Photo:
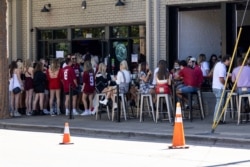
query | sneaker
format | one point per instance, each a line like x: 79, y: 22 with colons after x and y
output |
x: 16, y: 114
x: 46, y: 112
x: 93, y: 111
x: 67, y: 112
x: 85, y: 113
x: 74, y: 112
x: 28, y: 113
x: 52, y: 112
x: 105, y: 101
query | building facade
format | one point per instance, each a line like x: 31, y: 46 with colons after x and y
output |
x: 159, y: 29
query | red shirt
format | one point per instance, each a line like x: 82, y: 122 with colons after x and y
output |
x: 68, y: 76
x: 77, y: 70
x: 89, y: 82
x: 189, y: 76
x: 199, y: 76
x: 54, y: 79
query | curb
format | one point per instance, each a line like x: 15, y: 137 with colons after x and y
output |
x: 199, y: 139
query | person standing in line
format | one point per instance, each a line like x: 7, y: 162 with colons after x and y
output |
x: 69, y: 80
x: 39, y: 83
x: 15, y: 81
x: 76, y: 67
x: 53, y: 74
x: 28, y: 86
x: 88, y: 89
x: 219, y: 77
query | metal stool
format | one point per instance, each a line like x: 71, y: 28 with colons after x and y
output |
x: 200, y: 103
x: 239, y: 108
x: 100, y: 95
x: 231, y: 109
x: 123, y: 105
x: 168, y: 103
x: 150, y: 106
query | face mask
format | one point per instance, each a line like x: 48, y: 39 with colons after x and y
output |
x: 176, y: 67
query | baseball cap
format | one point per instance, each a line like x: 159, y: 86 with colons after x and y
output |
x: 193, y: 59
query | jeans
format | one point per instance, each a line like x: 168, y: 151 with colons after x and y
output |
x: 218, y: 95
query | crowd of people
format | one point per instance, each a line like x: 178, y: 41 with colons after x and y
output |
x: 44, y: 88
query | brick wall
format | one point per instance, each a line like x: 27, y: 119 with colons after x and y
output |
x: 98, y: 12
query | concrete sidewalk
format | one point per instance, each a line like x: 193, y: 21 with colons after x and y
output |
x: 197, y: 131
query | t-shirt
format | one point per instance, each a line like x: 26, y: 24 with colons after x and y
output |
x: 220, y: 71
x: 68, y: 76
x: 199, y: 76
x: 89, y: 82
x: 189, y: 76
x: 244, y: 77
x: 77, y: 71
x: 120, y: 78
x: 204, y: 68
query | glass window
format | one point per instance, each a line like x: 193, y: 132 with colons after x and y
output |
x: 45, y: 35
x: 119, y: 32
x: 134, y: 31
x: 79, y: 33
x: 60, y: 34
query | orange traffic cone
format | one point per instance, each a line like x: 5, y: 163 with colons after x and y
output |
x: 66, y: 135
x: 178, y: 135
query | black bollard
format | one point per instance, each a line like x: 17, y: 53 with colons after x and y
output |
x: 118, y: 105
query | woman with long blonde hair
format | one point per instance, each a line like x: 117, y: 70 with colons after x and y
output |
x: 53, y: 77
x: 28, y: 85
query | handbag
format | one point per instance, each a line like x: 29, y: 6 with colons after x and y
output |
x: 162, y: 89
x: 16, y: 90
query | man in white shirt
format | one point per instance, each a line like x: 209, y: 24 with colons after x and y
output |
x: 219, y: 76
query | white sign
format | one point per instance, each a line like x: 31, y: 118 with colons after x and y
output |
x: 89, y: 35
x: 134, y: 58
x: 59, y: 54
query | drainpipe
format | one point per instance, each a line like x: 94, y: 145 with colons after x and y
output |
x: 148, y: 35
x: 156, y: 32
x: 29, y: 29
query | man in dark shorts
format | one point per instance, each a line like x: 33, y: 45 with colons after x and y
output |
x: 69, y: 80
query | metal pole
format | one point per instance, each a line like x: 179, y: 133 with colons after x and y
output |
x: 118, y: 105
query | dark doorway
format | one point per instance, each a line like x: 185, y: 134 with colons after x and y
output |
x: 81, y: 46
x: 244, y: 41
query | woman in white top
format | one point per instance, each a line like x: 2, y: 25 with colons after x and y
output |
x: 122, y: 79
x: 15, y: 81
x: 204, y: 65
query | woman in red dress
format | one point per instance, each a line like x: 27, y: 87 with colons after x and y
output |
x: 88, y: 89
x: 53, y: 77
x: 28, y: 86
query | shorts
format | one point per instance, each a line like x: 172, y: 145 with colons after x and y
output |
x: 187, y: 89
x: 74, y: 92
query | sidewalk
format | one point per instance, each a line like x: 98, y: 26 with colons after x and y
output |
x: 197, y: 131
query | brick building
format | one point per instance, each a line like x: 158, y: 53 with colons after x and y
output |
x: 159, y: 29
